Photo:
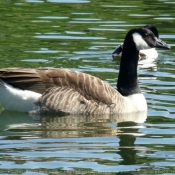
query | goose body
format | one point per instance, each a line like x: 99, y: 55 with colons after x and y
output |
x: 62, y: 90
x: 144, y: 54
x: 66, y: 91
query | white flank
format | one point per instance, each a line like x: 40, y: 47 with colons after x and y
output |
x: 16, y: 99
x: 139, y: 41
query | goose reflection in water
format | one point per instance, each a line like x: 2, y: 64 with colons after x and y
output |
x: 123, y: 126
x: 127, y: 130
x: 82, y: 126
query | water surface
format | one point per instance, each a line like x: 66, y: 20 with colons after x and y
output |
x: 81, y: 35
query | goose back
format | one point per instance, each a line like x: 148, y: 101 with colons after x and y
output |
x: 84, y: 90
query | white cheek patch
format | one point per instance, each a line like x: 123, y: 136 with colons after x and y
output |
x: 139, y: 42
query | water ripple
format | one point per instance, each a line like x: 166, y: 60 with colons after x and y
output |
x: 69, y: 37
x: 53, y: 17
x: 68, y: 1
x: 81, y: 35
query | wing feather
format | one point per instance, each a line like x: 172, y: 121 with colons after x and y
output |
x: 67, y: 100
x: 40, y: 80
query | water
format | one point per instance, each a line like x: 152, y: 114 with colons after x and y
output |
x: 81, y: 35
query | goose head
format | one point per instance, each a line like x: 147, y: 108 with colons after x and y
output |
x: 152, y: 52
x: 145, y: 39
x: 153, y: 29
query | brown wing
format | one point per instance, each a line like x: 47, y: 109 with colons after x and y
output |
x: 25, y: 79
x: 70, y: 101
x: 39, y: 80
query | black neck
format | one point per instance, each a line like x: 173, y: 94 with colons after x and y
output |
x: 127, y: 80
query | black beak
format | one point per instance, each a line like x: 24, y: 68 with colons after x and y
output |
x: 160, y: 44
x: 118, y: 51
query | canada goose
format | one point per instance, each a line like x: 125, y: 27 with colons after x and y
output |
x: 148, y: 54
x: 67, y: 91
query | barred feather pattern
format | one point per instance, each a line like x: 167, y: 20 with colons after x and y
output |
x: 69, y: 91
x: 77, y: 93
x: 67, y: 100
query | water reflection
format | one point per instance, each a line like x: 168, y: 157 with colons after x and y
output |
x: 72, y: 141
x: 127, y: 143
x: 70, y: 125
x: 83, y: 126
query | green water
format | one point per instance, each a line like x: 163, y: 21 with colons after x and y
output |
x: 81, y: 35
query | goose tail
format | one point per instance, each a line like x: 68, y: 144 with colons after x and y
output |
x: 2, y: 83
x: 15, y: 99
